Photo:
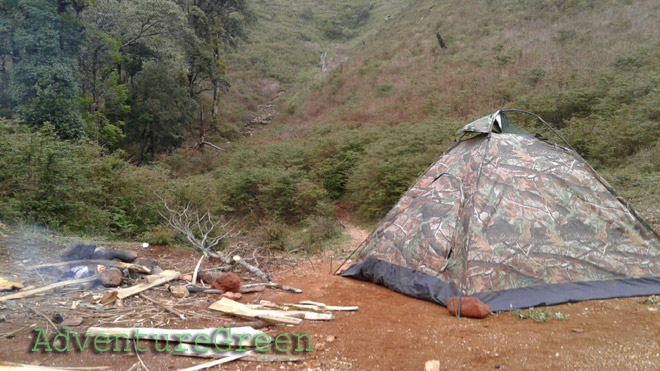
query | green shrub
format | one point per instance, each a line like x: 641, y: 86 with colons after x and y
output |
x: 161, y: 235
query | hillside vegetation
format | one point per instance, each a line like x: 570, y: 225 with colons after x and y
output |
x: 357, y: 135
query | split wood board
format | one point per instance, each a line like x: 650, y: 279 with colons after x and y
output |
x: 308, y: 315
x: 232, y: 307
x: 129, y: 291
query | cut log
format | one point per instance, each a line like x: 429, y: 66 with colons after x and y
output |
x: 205, y: 290
x: 232, y: 307
x: 190, y: 351
x: 27, y: 293
x: 109, y: 263
x: 247, y: 290
x: 168, y: 276
x: 210, y: 336
x: 109, y: 254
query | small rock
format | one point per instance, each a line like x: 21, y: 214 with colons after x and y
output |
x: 187, y: 277
x: 179, y: 291
x: 57, y: 318
x: 433, y: 365
x: 578, y: 330
x: 232, y: 295
x: 72, y: 321
x: 319, y: 346
x: 110, y: 277
x: 470, y: 307
x: 227, y: 282
x: 329, y: 339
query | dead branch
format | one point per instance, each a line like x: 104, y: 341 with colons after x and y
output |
x: 275, y: 286
x: 46, y: 318
x: 27, y: 293
x: 196, y: 271
x: 137, y: 353
x: 252, y: 269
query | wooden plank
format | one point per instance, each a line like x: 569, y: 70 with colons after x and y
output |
x: 183, y: 335
x: 191, y: 351
x: 306, y: 306
x: 306, y: 314
x: 8, y: 366
x: 27, y: 293
x: 129, y: 291
x: 326, y: 307
x: 232, y: 307
x: 237, y: 355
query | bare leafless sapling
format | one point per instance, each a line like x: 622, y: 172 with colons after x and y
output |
x: 202, y: 230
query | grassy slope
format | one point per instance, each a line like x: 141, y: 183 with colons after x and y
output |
x: 589, y: 67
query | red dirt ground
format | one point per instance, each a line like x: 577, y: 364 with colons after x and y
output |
x: 389, y: 332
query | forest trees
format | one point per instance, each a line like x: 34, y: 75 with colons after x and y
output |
x: 127, y: 73
x: 40, y: 42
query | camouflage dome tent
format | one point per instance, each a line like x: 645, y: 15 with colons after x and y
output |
x: 515, y: 222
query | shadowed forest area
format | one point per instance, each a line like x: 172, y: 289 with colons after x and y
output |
x: 283, y: 115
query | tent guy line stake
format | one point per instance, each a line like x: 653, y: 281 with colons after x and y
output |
x: 351, y: 254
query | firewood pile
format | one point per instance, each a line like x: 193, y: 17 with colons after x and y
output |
x: 103, y: 288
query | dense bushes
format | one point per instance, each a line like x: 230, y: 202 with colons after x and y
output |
x: 72, y: 186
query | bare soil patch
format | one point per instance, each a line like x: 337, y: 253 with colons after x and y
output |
x: 390, y: 331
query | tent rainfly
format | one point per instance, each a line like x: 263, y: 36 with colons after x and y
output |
x: 515, y: 222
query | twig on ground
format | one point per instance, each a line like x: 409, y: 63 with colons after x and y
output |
x: 10, y: 334
x: 166, y: 307
x: 46, y: 318
x: 276, y: 286
x: 137, y: 353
